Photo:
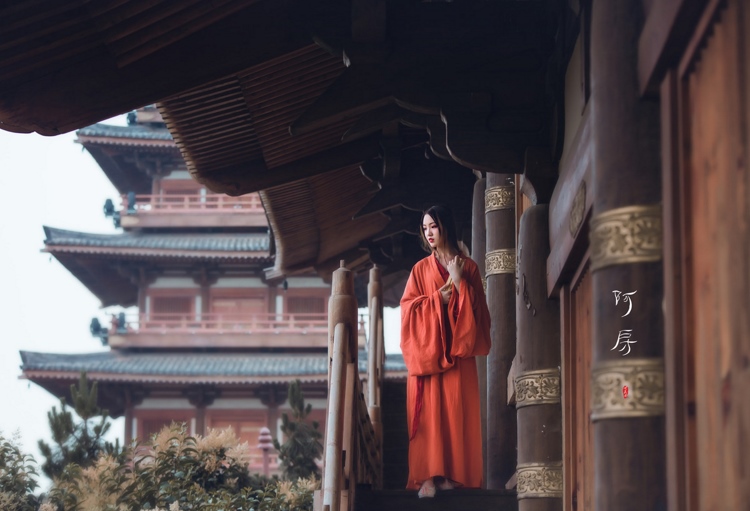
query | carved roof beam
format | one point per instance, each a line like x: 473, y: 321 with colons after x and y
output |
x: 402, y: 221
x: 255, y: 176
x: 422, y: 181
x: 378, y: 119
x: 358, y: 90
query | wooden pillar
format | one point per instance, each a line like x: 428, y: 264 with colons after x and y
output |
x: 200, y: 398
x: 478, y: 251
x: 500, y: 269
x: 270, y: 397
x: 142, y: 290
x: 128, y: 417
x: 538, y: 408
x: 627, y: 274
x: 205, y: 281
x: 374, y: 349
x: 200, y: 420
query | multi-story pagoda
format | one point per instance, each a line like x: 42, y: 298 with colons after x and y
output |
x: 203, y: 335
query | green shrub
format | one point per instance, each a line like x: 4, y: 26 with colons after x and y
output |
x: 302, y: 446
x: 176, y: 471
x: 17, y: 477
x: 80, y: 442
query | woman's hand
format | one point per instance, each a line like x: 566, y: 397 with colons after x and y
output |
x: 455, y: 269
x: 446, y: 291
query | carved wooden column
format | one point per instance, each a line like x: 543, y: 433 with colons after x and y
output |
x: 538, y: 406
x: 478, y: 250
x: 627, y: 276
x: 500, y: 268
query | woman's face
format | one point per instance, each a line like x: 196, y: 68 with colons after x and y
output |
x: 431, y: 232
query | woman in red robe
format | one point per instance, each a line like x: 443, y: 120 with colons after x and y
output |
x: 445, y: 323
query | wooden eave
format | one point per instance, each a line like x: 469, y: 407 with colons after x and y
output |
x: 37, y: 376
x: 234, y: 79
x: 87, y: 141
x: 110, y: 273
x: 153, y: 253
x: 68, y: 65
x: 121, y: 160
x: 102, y: 278
x: 311, y: 218
x: 234, y: 133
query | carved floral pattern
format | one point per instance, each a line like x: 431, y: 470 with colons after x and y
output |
x: 539, y: 480
x: 645, y: 381
x: 500, y: 261
x: 539, y: 387
x: 626, y: 235
x: 499, y: 197
x: 578, y: 209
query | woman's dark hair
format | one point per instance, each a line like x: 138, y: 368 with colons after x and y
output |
x: 443, y: 217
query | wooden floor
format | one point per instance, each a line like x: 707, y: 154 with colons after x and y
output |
x: 453, y: 500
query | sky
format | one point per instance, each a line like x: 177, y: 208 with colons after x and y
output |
x: 52, y: 181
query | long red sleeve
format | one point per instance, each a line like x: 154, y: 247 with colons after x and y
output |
x: 439, y: 344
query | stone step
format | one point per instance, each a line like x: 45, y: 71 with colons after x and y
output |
x: 453, y: 500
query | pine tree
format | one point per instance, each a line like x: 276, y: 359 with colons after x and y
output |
x: 302, y: 445
x: 78, y: 442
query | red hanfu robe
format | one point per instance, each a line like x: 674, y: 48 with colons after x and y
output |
x: 439, y: 344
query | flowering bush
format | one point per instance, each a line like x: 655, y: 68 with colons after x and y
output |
x: 17, y: 477
x: 178, y: 472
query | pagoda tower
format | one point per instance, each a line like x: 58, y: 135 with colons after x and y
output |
x: 200, y: 333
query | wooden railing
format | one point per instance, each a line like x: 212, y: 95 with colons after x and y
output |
x: 217, y: 323
x: 376, y: 353
x: 353, y: 442
x: 191, y: 203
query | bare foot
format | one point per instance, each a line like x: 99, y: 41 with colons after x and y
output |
x: 427, y: 490
x: 446, y: 484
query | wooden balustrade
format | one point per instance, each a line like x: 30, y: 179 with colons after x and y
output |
x: 222, y: 323
x: 353, y: 445
x: 376, y: 353
x: 192, y: 203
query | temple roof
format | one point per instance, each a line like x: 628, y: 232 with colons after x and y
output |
x: 228, y: 368
x: 132, y: 131
x: 107, y: 264
x: 223, y: 245
x: 131, y: 156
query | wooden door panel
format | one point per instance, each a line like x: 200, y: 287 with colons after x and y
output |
x: 714, y: 108
x: 576, y: 371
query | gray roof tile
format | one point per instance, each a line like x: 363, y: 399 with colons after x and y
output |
x: 138, y: 131
x: 193, y: 364
x: 245, y: 242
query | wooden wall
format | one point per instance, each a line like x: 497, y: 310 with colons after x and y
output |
x: 706, y: 142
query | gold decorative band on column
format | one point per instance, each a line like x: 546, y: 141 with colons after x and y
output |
x: 539, y: 480
x: 499, y: 197
x: 632, y: 234
x: 644, y: 396
x: 500, y: 261
x: 538, y: 387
